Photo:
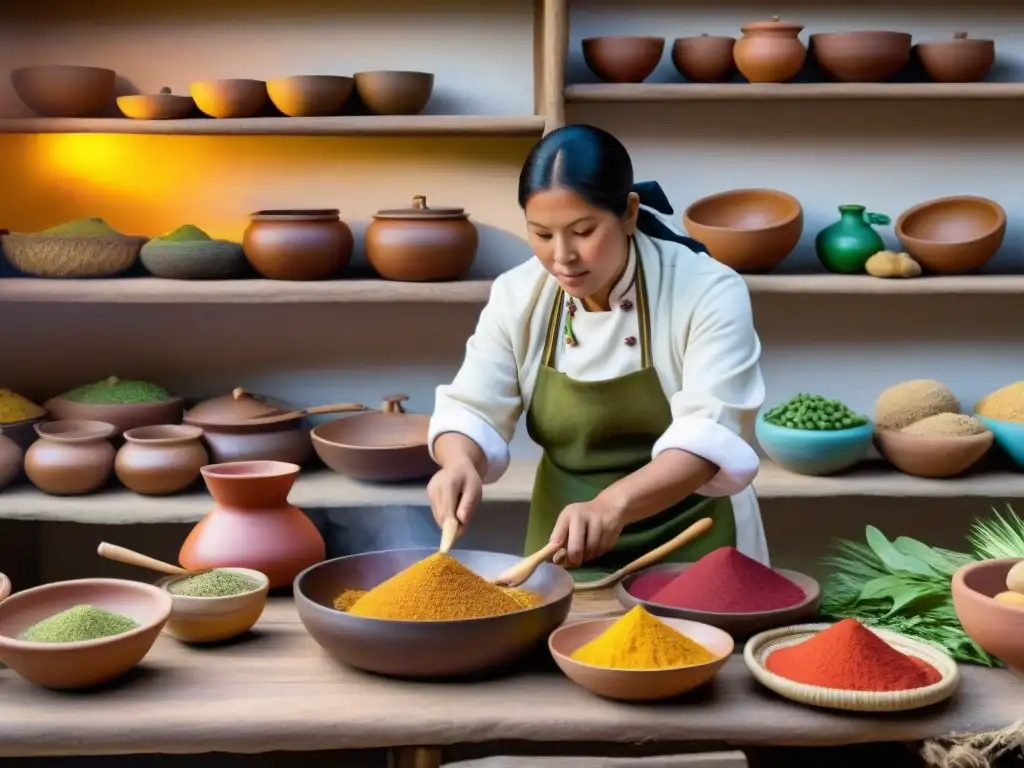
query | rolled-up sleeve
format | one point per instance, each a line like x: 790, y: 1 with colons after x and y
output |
x: 722, y: 388
x: 483, y: 402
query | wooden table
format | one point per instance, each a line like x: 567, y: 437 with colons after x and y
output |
x: 279, y: 691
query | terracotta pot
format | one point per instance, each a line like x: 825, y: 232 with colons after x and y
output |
x: 960, y: 60
x: 934, y: 457
x: 996, y: 627
x: 123, y: 417
x: 770, y: 51
x: 861, y: 57
x: 11, y: 460
x: 60, y: 90
x: 623, y: 59
x: 160, y: 460
x: 704, y: 59
x: 252, y: 525
x: 950, y: 235
x: 421, y: 244
x: 297, y: 245
x: 71, y: 458
x: 394, y: 92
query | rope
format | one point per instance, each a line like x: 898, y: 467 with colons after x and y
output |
x: 979, y: 750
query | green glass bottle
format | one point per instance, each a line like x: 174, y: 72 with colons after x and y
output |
x: 844, y: 247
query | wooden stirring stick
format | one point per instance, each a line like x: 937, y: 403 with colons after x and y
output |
x: 130, y: 557
x: 449, y: 533
x: 525, y: 568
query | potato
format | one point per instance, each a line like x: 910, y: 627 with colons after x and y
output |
x: 1015, y: 578
x: 1013, y: 599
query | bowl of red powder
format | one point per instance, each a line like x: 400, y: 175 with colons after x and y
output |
x: 996, y: 627
x: 725, y: 589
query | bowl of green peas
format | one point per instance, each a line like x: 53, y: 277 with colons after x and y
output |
x: 813, y: 435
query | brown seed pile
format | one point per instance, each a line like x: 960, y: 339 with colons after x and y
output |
x: 946, y: 425
x: 911, y: 401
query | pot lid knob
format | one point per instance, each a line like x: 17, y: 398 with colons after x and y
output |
x: 419, y: 202
x: 238, y: 393
x: 959, y: 35
x: 776, y: 19
x: 393, y: 403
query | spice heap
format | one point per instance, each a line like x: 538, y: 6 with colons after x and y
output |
x: 850, y: 657
x: 1006, y: 404
x: 946, y: 425
x: 186, y: 233
x: 115, y: 391
x: 92, y: 227
x: 640, y: 641
x: 814, y: 412
x: 215, y: 583
x: 723, y: 581
x: 909, y: 402
x: 524, y: 597
x: 15, y: 408
x: 82, y: 622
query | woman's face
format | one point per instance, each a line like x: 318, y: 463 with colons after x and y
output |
x: 583, y: 247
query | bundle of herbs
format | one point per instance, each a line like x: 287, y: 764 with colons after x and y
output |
x: 904, y: 585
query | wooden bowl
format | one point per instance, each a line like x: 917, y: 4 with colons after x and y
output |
x: 935, y: 457
x: 704, y: 59
x: 623, y: 59
x: 229, y: 98
x: 379, y: 447
x: 747, y: 229
x: 386, y: 92
x: 861, y: 57
x: 159, y: 106
x: 122, y: 416
x: 5, y: 587
x: 90, y: 662
x: 960, y: 60
x: 950, y: 235
x: 310, y: 95
x: 214, y: 619
x: 59, y: 256
x: 638, y: 684
x: 64, y: 91
x: 996, y: 627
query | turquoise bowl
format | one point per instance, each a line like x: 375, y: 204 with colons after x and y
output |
x: 809, y: 452
x: 1009, y: 436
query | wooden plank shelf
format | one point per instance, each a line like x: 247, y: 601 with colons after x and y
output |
x: 667, y: 92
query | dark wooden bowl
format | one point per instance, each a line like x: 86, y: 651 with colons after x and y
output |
x: 949, y: 235
x: 623, y: 59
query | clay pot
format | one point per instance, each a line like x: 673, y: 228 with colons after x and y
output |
x: 297, y: 245
x: 11, y: 459
x: 770, y: 51
x: 996, y: 627
x: 60, y: 90
x: 704, y: 59
x: 861, y: 57
x: 252, y: 525
x: 390, y: 92
x: 310, y: 95
x: 623, y: 59
x: 934, y: 457
x: 845, y: 246
x: 23, y: 433
x: 157, y: 106
x: 71, y: 458
x: 950, y: 235
x: 960, y: 60
x: 421, y: 244
x: 160, y: 460
x: 229, y: 98
x: 123, y: 417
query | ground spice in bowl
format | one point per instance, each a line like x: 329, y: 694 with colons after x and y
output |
x: 638, y: 640
x: 1006, y: 404
x: 14, y: 408
x: 946, y: 425
x: 215, y: 583
x: 115, y: 391
x: 186, y: 233
x: 91, y: 227
x: 81, y: 622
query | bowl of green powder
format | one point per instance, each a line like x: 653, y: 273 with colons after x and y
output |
x: 79, y: 248
x: 215, y: 605
x: 125, y: 403
x: 81, y: 633
x: 188, y: 253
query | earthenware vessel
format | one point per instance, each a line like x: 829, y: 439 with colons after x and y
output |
x: 623, y: 59
x: 198, y: 620
x: 932, y: 456
x: 229, y: 98
x: 157, y: 106
x: 162, y: 459
x: 960, y: 60
x: 704, y: 59
x: 11, y: 460
x: 193, y: 259
x: 60, y: 90
x: 845, y: 246
x: 872, y: 56
x: 310, y: 95
x: 950, y: 235
x: 770, y: 51
x: 996, y: 627
x: 123, y: 416
x: 298, y: 244
x: 387, y: 92
x: 71, y: 457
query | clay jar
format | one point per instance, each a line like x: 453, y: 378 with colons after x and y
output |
x: 704, y: 59
x: 421, y: 244
x: 11, y: 458
x: 770, y: 51
x: 252, y: 525
x: 960, y: 60
x: 71, y: 458
x: 160, y: 460
x: 297, y: 244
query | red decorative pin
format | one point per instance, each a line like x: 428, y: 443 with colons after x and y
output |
x: 630, y: 341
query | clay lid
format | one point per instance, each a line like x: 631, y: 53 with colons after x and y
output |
x: 237, y: 407
x: 419, y: 210
x: 774, y: 24
x: 298, y: 214
x: 961, y: 37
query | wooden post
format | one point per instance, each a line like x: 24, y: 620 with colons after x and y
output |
x: 555, y: 47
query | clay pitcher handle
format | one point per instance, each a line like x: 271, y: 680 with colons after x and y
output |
x: 130, y: 557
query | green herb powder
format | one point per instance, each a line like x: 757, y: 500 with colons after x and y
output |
x: 82, y: 228
x: 82, y: 622
x: 187, y: 233
x: 814, y: 412
x: 114, y: 391
x: 215, y: 583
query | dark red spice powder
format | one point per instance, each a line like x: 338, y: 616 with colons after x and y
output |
x: 723, y: 581
x: 850, y: 657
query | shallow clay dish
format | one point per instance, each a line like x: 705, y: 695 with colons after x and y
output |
x: 426, y: 649
x: 193, y: 260
x: 996, y: 627
x: 64, y: 91
x: 960, y: 60
x: 638, y: 684
x: 310, y: 95
x: 704, y: 59
x: 229, y: 98
x: 928, y: 456
x: 159, y: 106
x: 60, y: 256
x: 747, y: 229
x: 861, y: 57
x: 122, y: 416
x: 623, y: 59
x: 215, y: 619
x: 387, y: 92
x: 736, y: 624
x: 949, y: 235
x: 91, y: 662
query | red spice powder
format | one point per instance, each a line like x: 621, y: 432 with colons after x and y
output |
x: 850, y: 657
x: 723, y: 581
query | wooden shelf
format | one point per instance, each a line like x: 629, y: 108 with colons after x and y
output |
x: 864, y: 284
x: 630, y: 92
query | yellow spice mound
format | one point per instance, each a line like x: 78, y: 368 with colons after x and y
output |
x: 640, y: 641
x: 1006, y: 404
x: 903, y: 404
x: 524, y: 597
x: 15, y: 408
x: 946, y: 425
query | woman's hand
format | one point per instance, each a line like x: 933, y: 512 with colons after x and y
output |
x: 455, y: 491
x: 587, y: 530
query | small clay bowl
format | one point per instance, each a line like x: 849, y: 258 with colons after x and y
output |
x: 193, y: 259
x: 750, y: 230
x: 161, y: 459
x: 960, y: 60
x: 5, y: 587
x: 310, y: 95
x: 736, y: 624
x: 122, y: 416
x: 623, y: 59
x: 998, y: 628
x: 88, y: 663
x: 638, y: 684
x: 704, y: 59
x: 861, y: 57
x: 159, y: 106
x: 951, y: 235
x: 386, y: 92
x: 64, y: 91
x: 928, y: 456
x: 229, y: 98
x: 215, y: 619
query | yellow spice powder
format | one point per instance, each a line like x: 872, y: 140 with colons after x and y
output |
x: 1006, y: 404
x: 640, y: 641
x: 15, y: 408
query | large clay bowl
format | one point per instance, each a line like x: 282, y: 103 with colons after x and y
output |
x: 229, y: 98
x: 64, y: 91
x: 749, y: 230
x: 960, y: 60
x: 997, y: 628
x: 952, y: 234
x: 310, y: 95
x: 91, y: 662
x: 123, y: 417
x: 736, y: 624
x: 861, y: 57
x: 623, y: 59
x: 387, y: 92
x: 426, y: 649
x: 928, y: 456
x: 379, y: 447
x: 704, y: 59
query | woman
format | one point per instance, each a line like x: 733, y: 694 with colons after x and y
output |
x: 634, y: 357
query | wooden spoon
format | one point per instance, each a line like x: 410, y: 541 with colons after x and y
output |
x: 130, y: 557
x: 450, y: 531
x: 303, y: 412
x: 525, y: 568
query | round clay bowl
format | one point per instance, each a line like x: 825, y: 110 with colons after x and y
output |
x: 161, y: 106
x: 736, y: 624
x: 123, y: 417
x: 229, y: 98
x: 12, y: 457
x: 997, y: 628
x: 623, y: 59
x: 386, y: 92
x: 64, y: 91
x: 747, y: 229
x: 193, y: 260
x: 91, y: 662
x: 379, y: 447
x: 861, y: 57
x: 935, y: 457
x: 426, y: 649
x: 704, y: 59
x: 215, y: 619
x: 950, y: 235
x: 160, y: 460
x: 813, y: 452
x: 310, y: 95
x: 960, y: 60
x: 638, y: 684
x: 23, y: 433
x: 5, y: 587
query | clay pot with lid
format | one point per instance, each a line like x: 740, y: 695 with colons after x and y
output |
x: 704, y: 59
x: 161, y: 460
x: 960, y: 60
x: 770, y: 51
x: 71, y: 458
x: 11, y: 459
x: 420, y: 243
x: 310, y: 244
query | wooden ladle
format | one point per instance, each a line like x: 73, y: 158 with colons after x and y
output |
x: 450, y: 531
x: 525, y: 568
x: 130, y: 557
x: 315, y: 410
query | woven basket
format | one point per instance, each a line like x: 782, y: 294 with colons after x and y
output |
x: 760, y: 646
x: 60, y: 256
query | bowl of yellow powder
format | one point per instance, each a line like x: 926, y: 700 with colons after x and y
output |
x: 215, y: 605
x: 75, y: 249
x: 638, y: 656
x: 415, y: 613
x: 189, y: 253
x: 937, y: 446
x: 1002, y: 412
x: 18, y: 417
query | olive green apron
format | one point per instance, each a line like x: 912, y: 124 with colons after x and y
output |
x: 593, y: 434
